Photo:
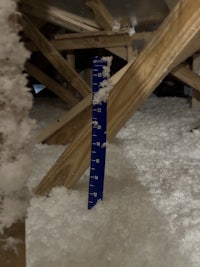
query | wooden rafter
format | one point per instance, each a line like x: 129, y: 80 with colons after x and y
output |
x: 65, y: 130
x: 102, y: 15
x: 62, y: 131
x: 187, y: 76
x: 58, y: 16
x: 141, y: 78
x: 136, y: 36
x: 70, y: 115
x: 67, y: 118
x: 196, y: 70
x: 51, y: 84
x: 171, y: 3
x: 96, y: 40
x: 64, y: 19
x: 54, y: 57
x: 106, y: 21
x: 154, y: 19
x: 39, y: 23
x: 58, y: 133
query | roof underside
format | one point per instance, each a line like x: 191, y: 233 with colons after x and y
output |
x: 144, y: 11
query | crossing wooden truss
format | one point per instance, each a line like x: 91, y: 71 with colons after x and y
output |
x: 165, y: 51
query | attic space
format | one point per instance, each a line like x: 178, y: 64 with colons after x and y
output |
x: 100, y: 133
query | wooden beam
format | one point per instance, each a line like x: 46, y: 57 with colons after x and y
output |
x: 82, y: 105
x: 62, y: 131
x: 70, y: 128
x: 58, y: 16
x: 106, y: 21
x: 59, y: 133
x: 102, y: 15
x: 51, y: 84
x: 56, y: 133
x: 88, y: 42
x: 136, y: 36
x: 97, y: 40
x: 187, y: 76
x: 141, y: 78
x: 64, y: 120
x: 153, y: 19
x: 195, y: 93
x: 63, y: 19
x: 54, y: 57
x: 13, y: 256
x: 171, y: 3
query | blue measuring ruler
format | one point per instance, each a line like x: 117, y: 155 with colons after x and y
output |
x: 99, y: 125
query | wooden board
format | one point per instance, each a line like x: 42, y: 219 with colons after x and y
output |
x: 171, y: 3
x: 65, y: 128
x: 65, y: 119
x: 55, y: 133
x: 64, y: 19
x: 102, y: 15
x: 54, y: 57
x: 93, y: 40
x: 51, y: 84
x: 58, y: 16
x: 196, y: 94
x: 13, y: 257
x: 142, y: 77
x: 136, y: 36
x: 90, y: 42
x: 187, y: 76
x: 68, y: 133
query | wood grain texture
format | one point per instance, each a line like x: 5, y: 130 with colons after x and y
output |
x: 58, y: 16
x: 196, y: 93
x: 141, y: 78
x: 102, y: 14
x: 54, y: 57
x: 93, y: 40
x: 88, y: 42
x: 10, y: 257
x: 187, y: 76
x: 171, y: 3
x: 64, y: 129
x: 64, y: 19
x: 65, y: 119
x: 136, y: 36
x: 68, y: 133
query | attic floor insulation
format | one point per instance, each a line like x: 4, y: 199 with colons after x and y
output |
x: 150, y: 215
